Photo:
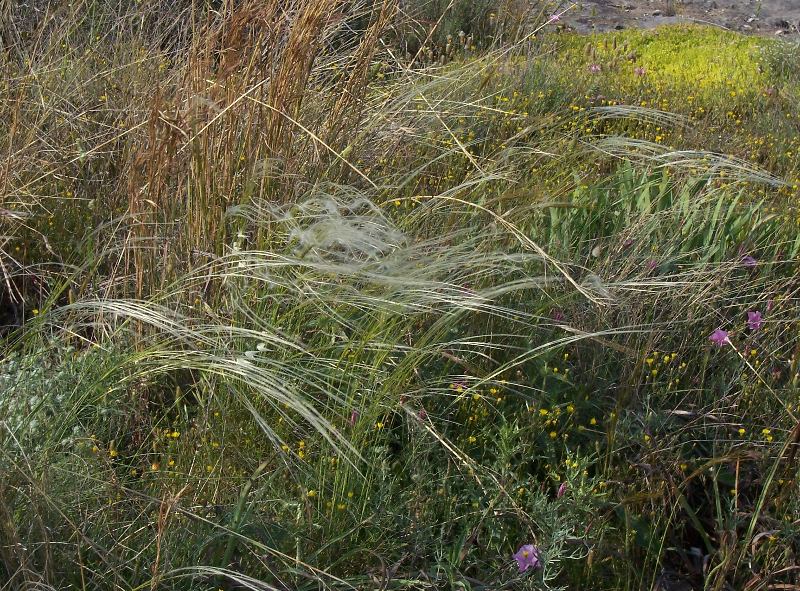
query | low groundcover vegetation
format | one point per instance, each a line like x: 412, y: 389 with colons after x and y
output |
x: 379, y: 295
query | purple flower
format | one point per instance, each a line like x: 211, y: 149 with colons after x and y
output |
x: 754, y: 320
x: 651, y: 265
x: 749, y: 261
x: 527, y: 557
x: 558, y: 315
x: 594, y: 68
x: 554, y: 18
x: 422, y: 414
x: 770, y: 304
x: 639, y: 71
x: 719, y: 337
x: 561, y: 490
x: 458, y: 386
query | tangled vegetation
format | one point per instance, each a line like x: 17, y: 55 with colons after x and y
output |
x: 334, y: 295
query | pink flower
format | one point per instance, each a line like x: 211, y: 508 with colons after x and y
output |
x: 554, y: 18
x: 754, y: 320
x: 527, y: 557
x: 594, y: 68
x: 458, y: 386
x: 749, y: 261
x: 639, y: 71
x: 354, y: 417
x: 719, y: 337
x: 422, y: 414
x: 561, y: 490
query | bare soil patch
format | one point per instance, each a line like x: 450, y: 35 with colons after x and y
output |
x: 766, y: 17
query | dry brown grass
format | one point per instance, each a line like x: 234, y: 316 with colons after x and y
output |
x: 165, y: 142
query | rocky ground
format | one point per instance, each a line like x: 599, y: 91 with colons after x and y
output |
x: 766, y: 17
